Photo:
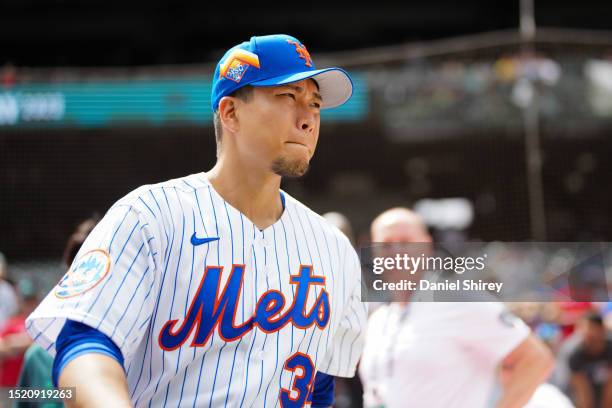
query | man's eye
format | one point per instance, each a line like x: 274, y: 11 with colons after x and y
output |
x: 292, y: 96
x: 316, y: 105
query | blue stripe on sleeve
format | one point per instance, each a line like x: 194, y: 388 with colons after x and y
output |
x: 323, y: 391
x: 76, y: 339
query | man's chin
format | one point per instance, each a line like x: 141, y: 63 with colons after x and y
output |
x: 290, y: 168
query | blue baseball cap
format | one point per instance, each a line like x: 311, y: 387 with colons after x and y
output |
x: 273, y: 60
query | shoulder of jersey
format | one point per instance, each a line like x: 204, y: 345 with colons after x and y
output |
x: 350, y: 255
x: 327, y: 227
x: 186, y: 184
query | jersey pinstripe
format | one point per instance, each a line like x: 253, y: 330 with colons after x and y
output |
x: 190, y: 340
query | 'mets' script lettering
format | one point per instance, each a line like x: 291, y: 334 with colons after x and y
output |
x: 209, y: 309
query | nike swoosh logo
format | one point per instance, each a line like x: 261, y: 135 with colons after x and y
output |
x: 195, y: 241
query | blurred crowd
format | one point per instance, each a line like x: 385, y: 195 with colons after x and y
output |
x: 580, y: 336
x: 17, y: 301
x: 23, y: 363
x: 471, y: 92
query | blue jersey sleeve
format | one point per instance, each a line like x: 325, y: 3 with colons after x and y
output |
x: 322, y: 395
x: 76, y: 339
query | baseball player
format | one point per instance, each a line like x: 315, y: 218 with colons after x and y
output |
x: 443, y: 354
x: 218, y: 289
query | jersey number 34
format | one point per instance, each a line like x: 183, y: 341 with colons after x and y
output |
x: 302, y: 369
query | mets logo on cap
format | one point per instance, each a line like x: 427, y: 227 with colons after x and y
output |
x: 237, y: 63
x: 302, y: 52
x: 86, y: 272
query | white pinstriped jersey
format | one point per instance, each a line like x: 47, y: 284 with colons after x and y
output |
x: 241, y: 321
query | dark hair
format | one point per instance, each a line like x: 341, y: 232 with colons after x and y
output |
x: 243, y: 94
x: 78, y: 237
x: 595, y: 318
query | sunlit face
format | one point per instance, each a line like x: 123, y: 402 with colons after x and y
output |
x: 279, y: 127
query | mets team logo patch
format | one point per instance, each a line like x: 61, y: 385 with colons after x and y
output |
x: 89, y: 270
x: 237, y: 63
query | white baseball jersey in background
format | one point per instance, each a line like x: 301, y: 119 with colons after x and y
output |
x: 427, y: 354
x: 242, y: 320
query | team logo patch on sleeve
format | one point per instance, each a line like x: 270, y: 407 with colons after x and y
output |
x: 89, y: 270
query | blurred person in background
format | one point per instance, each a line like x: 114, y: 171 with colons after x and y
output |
x: 591, y: 364
x: 38, y: 364
x: 425, y: 354
x: 549, y: 322
x: 77, y: 238
x: 341, y: 222
x: 8, y: 297
x: 571, y: 313
x: 14, y: 340
x: 349, y: 391
x: 606, y: 313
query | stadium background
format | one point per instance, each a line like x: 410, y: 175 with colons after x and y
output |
x: 451, y: 99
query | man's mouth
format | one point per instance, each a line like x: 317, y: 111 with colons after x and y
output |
x: 298, y: 143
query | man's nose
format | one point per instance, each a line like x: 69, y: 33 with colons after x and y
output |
x: 306, y: 121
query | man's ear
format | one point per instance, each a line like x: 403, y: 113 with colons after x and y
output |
x: 228, y: 113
